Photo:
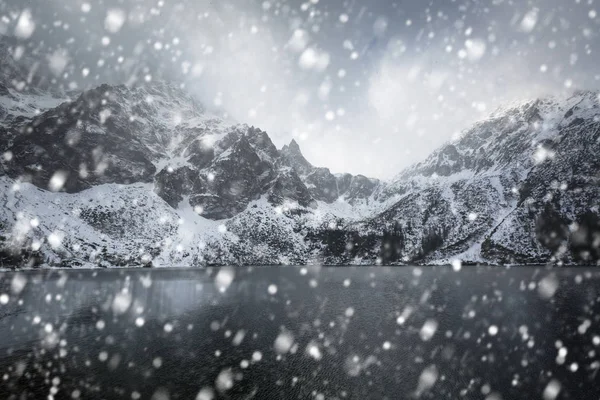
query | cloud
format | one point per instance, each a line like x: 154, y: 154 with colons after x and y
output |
x: 370, y: 95
x: 416, y: 105
x: 247, y: 72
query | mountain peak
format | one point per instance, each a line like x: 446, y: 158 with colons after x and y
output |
x: 294, y: 158
x: 484, y: 197
x: 292, y: 148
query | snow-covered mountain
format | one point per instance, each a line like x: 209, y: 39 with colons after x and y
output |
x: 520, y: 187
x: 146, y: 176
x: 215, y: 183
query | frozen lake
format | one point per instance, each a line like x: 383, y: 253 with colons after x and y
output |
x: 301, y: 332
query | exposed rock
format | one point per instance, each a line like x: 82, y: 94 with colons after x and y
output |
x: 153, y: 178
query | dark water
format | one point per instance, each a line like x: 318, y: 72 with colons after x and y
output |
x: 293, y: 333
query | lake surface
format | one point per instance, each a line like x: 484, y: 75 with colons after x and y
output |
x: 301, y: 333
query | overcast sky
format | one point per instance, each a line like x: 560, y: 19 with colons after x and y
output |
x: 365, y: 86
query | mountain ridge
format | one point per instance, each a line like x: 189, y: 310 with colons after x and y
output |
x: 519, y: 187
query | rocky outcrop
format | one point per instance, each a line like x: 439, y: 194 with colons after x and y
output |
x: 515, y: 188
x: 146, y: 176
x: 322, y: 184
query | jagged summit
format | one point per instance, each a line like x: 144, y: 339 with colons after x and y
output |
x: 491, y: 193
x: 293, y: 146
x: 324, y: 185
x: 155, y: 178
x: 160, y: 134
x: 293, y: 157
x: 512, y: 135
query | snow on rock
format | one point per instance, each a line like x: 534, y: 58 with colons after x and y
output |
x: 146, y: 176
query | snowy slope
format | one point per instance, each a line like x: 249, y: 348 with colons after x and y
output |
x: 145, y: 176
x: 497, y: 185
x: 83, y: 167
x: 129, y: 225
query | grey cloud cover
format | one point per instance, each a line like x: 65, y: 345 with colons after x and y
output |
x: 365, y: 86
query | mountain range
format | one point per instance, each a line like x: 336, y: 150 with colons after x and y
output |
x: 146, y: 176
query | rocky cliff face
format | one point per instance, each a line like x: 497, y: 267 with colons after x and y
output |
x: 322, y: 184
x: 145, y: 176
x: 520, y: 187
